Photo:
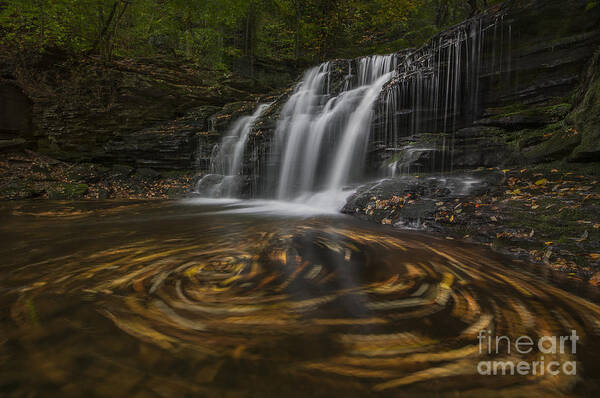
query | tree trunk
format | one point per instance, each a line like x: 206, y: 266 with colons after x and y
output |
x: 105, y: 28
x: 111, y: 38
x: 441, y: 13
x: 298, y: 27
x: 474, y: 8
x: 250, y: 37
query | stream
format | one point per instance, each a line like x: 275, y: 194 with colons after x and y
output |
x: 226, y: 298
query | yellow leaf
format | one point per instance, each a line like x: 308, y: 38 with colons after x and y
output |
x: 239, y: 350
x: 548, y: 243
x: 452, y: 219
x: 505, y: 171
x: 595, y: 256
x: 543, y: 181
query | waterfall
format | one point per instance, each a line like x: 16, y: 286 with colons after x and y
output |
x: 437, y: 90
x: 350, y: 120
x: 356, y: 136
x: 227, y: 159
x: 314, y: 118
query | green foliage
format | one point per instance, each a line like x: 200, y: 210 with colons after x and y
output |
x: 220, y: 33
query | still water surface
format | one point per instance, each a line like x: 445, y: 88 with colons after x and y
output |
x: 230, y: 299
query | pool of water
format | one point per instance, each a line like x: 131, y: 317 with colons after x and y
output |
x: 238, y: 299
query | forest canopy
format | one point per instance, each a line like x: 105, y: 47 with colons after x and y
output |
x: 224, y: 34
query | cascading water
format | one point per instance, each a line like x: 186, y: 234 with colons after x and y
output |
x: 437, y: 90
x: 227, y: 159
x: 314, y: 116
x: 340, y: 113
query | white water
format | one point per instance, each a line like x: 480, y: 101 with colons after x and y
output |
x: 266, y: 207
x: 337, y: 112
x: 226, y: 163
x: 314, y: 119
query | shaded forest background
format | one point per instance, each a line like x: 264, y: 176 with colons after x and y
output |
x: 226, y: 34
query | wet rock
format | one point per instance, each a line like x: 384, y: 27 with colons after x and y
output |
x: 148, y: 173
x: 586, y: 116
x: 122, y: 170
x: 526, y: 117
x: 102, y: 194
x: 68, y: 192
x: 412, y: 200
x: 13, y: 144
x: 560, y: 144
x: 18, y: 190
x: 87, y: 173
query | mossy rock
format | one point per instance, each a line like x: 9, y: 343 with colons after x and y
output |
x: 518, y: 116
x: 122, y: 170
x: 558, y: 142
x: 68, y: 191
x: 148, y: 173
x: 20, y: 190
x: 586, y: 116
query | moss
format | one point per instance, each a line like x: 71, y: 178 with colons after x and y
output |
x: 68, y: 191
x: 586, y: 117
x: 557, y: 111
x: 558, y: 142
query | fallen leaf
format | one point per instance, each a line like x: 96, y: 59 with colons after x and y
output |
x: 583, y: 237
x: 543, y: 181
x: 595, y: 279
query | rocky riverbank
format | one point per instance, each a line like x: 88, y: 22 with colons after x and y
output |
x: 30, y: 175
x: 545, y: 214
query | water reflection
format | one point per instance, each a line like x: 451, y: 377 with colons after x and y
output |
x: 168, y: 299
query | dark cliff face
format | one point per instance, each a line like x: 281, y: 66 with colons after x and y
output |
x: 586, y: 114
x: 532, y: 58
x: 15, y: 116
x: 149, y: 113
x: 548, y: 46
